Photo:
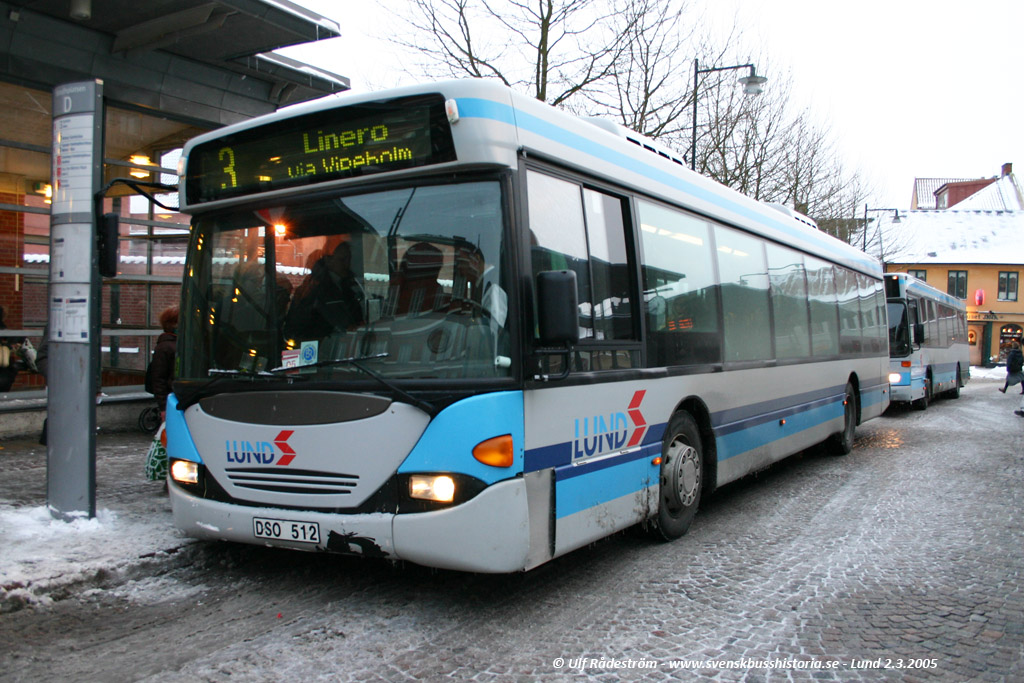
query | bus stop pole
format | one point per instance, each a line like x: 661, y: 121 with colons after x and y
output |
x: 73, y: 301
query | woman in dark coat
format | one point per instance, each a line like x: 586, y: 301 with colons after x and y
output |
x: 1014, y: 367
x: 161, y: 368
x: 8, y: 358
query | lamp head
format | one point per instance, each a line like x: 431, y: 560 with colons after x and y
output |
x: 753, y: 84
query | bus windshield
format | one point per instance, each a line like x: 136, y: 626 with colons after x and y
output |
x: 899, y: 330
x: 408, y: 280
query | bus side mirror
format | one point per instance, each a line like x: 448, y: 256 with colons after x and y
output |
x: 558, y: 308
x: 106, y: 244
x: 919, y: 333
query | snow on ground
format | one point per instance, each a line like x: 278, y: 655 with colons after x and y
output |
x: 42, y: 554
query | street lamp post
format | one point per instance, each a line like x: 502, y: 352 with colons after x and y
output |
x: 752, y: 85
x: 895, y: 219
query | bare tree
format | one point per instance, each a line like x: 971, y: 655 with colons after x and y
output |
x: 631, y: 60
x: 553, y: 49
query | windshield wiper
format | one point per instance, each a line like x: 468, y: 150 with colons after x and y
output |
x: 357, y: 362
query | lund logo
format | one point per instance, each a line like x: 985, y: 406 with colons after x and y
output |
x: 603, y: 434
x: 262, y: 452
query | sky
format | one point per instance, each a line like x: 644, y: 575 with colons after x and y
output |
x: 909, y: 88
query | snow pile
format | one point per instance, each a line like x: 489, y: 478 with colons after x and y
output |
x: 43, y: 556
x: 998, y: 373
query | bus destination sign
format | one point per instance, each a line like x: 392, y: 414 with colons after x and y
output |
x: 337, y: 143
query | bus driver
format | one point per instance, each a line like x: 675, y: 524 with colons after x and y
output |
x: 329, y: 300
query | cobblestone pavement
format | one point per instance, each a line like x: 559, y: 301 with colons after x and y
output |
x: 906, y: 553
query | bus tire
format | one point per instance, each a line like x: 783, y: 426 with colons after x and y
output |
x: 955, y: 391
x: 841, y: 443
x: 681, y: 478
x: 922, y: 403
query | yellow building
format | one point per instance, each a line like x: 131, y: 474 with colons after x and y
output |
x: 974, y: 251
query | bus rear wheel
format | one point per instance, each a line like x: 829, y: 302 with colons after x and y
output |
x: 681, y: 477
x: 841, y: 443
x: 957, y: 383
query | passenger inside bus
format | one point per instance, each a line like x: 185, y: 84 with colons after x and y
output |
x: 329, y: 299
x: 415, y: 284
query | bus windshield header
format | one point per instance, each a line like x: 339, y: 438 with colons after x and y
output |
x: 346, y: 142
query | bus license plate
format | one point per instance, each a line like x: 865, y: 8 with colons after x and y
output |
x: 286, y: 530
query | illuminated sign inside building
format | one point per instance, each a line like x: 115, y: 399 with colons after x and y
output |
x: 338, y: 143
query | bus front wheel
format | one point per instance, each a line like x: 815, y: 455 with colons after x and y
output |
x: 681, y: 477
x: 922, y: 403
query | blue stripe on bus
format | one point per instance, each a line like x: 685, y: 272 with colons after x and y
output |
x: 180, y: 443
x: 577, y: 494
x: 873, y: 395
x: 744, y: 417
x: 473, y: 107
x: 809, y: 416
x: 593, y: 465
x: 736, y: 430
x: 560, y: 454
x: 478, y: 108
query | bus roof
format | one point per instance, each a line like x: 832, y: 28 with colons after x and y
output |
x: 912, y: 285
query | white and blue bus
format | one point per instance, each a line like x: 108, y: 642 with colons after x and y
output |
x: 927, y: 341
x: 452, y: 325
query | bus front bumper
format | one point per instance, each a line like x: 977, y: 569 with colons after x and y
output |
x: 489, y: 533
x: 912, y: 391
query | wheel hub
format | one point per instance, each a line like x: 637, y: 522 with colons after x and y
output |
x: 683, y: 474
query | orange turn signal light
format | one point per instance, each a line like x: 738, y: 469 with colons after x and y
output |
x: 496, y: 452
x: 905, y: 364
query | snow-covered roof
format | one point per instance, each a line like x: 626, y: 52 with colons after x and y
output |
x: 956, y: 236
x: 924, y: 191
x: 1003, y: 195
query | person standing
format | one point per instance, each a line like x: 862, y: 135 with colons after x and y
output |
x: 1014, y: 368
x: 8, y: 358
x: 161, y: 367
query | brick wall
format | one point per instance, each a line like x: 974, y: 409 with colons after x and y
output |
x: 12, y: 237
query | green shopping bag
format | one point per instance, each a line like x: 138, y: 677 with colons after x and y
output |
x: 156, y: 457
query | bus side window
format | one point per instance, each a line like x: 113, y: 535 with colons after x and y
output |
x: 558, y: 236
x: 744, y: 277
x: 916, y: 325
x: 680, y: 287
x: 824, y: 308
x: 789, y: 302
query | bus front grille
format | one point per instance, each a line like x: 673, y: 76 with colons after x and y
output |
x: 280, y: 480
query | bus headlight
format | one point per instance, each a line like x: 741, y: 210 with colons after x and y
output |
x: 185, y: 471
x: 895, y: 378
x: 439, y: 488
